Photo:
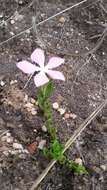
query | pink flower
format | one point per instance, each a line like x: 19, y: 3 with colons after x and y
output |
x: 38, y: 67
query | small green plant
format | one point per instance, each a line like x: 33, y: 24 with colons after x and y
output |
x: 55, y: 149
x: 41, y: 74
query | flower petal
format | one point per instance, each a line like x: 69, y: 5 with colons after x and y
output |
x: 56, y: 75
x: 40, y: 79
x: 27, y: 67
x: 38, y: 57
x: 54, y: 62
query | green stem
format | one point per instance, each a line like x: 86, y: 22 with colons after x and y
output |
x: 44, y: 104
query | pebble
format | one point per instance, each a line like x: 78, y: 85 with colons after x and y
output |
x: 2, y: 83
x: 73, y: 116
x: 9, y: 139
x: 32, y: 147
x: 29, y: 109
x: 103, y: 167
x: 12, y: 33
x: 17, y: 146
x: 78, y: 161
x: 35, y: 130
x: 13, y: 82
x: 55, y: 105
x: 62, y: 19
x: 41, y: 145
x: 26, y: 98
x: 1, y: 15
x: 61, y: 111
x: 13, y: 152
x: 32, y: 100
x: 44, y: 129
x: 28, y: 31
x: 76, y: 51
x: 12, y: 21
x: 8, y: 134
x: 28, y: 105
x: 66, y: 116
x: 33, y: 112
x: 20, y: 2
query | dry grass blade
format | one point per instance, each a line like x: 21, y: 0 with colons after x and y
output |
x: 3, y: 133
x: 70, y: 142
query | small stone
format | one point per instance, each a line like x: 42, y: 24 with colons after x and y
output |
x: 44, y: 129
x: 8, y: 134
x: 103, y: 167
x: 76, y: 51
x: 9, y: 139
x: 26, y: 98
x: 1, y: 15
x: 12, y: 21
x: 28, y: 109
x: 55, y: 105
x: 32, y: 100
x: 32, y: 147
x: 20, y: 2
x: 13, y: 82
x: 17, y: 146
x: 22, y: 156
x: 78, y: 161
x: 61, y: 111
x: 28, y: 105
x: 28, y: 31
x: 73, y: 116
x: 12, y: 33
x: 35, y: 130
x: 14, y: 152
x: 33, y: 112
x: 41, y: 145
x: 62, y: 19
x: 10, y: 103
x: 2, y: 83
x: 67, y: 116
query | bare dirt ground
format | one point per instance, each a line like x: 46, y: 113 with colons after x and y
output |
x: 70, y: 35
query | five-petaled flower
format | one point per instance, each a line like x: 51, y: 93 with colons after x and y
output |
x: 38, y: 66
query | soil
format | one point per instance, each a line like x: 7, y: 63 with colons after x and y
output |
x: 70, y: 35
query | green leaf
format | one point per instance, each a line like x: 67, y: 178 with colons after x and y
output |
x: 47, y: 89
x: 55, y: 151
x: 76, y: 168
